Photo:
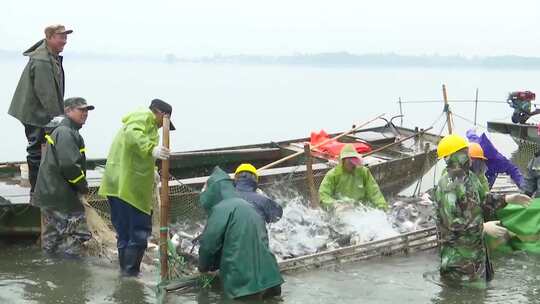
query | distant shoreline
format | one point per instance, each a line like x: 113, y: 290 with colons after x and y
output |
x: 335, y: 59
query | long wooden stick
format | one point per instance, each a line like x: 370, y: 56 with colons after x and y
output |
x: 270, y: 165
x: 310, y: 180
x: 447, y: 110
x: 397, y: 142
x: 164, y: 208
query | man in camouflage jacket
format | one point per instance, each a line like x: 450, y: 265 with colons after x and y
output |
x: 465, y: 211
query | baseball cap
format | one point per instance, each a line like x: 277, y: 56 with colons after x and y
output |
x: 56, y: 29
x: 164, y: 107
x: 77, y: 102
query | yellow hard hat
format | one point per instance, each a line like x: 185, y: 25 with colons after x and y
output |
x: 450, y: 144
x: 246, y: 168
x: 476, y: 151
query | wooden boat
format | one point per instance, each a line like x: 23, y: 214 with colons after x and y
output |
x: 520, y: 132
x: 395, y: 168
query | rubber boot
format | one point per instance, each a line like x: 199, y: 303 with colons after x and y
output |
x: 132, y: 261
x: 121, y: 259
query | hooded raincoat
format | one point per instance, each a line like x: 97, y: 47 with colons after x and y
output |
x: 235, y: 241
x: 40, y: 92
x: 129, y: 172
x: 62, y: 174
x: 359, y: 185
x: 496, y: 162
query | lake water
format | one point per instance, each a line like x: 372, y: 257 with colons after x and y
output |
x: 226, y: 105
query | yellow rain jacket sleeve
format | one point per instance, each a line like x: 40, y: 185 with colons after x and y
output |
x: 359, y: 186
x: 129, y: 172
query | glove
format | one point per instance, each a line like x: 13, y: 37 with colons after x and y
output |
x: 518, y: 199
x: 82, y: 187
x: 493, y: 229
x: 160, y: 152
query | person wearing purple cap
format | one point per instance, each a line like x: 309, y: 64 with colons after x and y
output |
x: 496, y: 162
x: 350, y: 181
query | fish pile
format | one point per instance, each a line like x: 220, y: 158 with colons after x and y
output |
x: 303, y: 230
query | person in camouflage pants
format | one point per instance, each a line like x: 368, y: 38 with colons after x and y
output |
x: 463, y: 207
x: 64, y: 232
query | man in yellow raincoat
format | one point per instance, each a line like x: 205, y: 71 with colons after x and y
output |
x: 351, y: 181
x: 129, y: 178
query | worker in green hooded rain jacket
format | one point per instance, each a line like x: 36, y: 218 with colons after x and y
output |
x: 235, y: 242
x: 128, y: 181
x: 465, y: 211
x: 350, y: 180
x: 39, y: 96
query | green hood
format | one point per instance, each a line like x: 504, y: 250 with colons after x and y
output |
x: 218, y: 187
x: 348, y: 151
x: 38, y: 51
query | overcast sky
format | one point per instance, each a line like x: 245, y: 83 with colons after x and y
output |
x: 200, y: 28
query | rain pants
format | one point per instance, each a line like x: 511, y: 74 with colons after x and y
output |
x: 129, y: 172
x: 359, y: 186
x: 235, y: 241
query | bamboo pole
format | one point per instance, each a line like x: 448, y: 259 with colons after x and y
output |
x: 475, y: 106
x: 354, y: 129
x: 447, y: 110
x: 164, y: 208
x: 400, y: 113
x: 310, y: 180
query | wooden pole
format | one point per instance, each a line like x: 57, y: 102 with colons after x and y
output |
x: 447, y: 110
x: 164, y: 208
x: 354, y: 129
x: 475, y: 106
x: 310, y: 180
x: 400, y: 113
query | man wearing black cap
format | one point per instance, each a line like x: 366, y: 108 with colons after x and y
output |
x: 40, y: 93
x: 128, y: 181
x: 62, y: 181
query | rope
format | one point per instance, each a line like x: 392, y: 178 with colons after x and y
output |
x: 455, y: 101
x: 469, y: 121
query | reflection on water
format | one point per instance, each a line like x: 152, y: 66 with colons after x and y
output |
x: 26, y: 276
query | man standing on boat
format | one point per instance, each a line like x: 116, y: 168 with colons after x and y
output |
x: 465, y: 211
x: 40, y: 93
x: 246, y: 183
x: 62, y: 182
x: 128, y: 181
x: 351, y: 181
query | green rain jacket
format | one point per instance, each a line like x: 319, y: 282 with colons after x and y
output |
x: 235, y: 241
x: 359, y: 185
x: 462, y: 209
x: 40, y: 92
x: 62, y: 171
x: 129, y: 172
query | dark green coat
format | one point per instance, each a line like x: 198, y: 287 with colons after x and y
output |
x: 235, y: 241
x: 62, y: 173
x: 40, y: 93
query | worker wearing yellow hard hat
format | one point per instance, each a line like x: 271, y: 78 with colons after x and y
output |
x: 465, y: 211
x: 246, y: 183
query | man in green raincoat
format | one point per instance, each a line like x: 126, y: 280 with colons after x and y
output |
x: 235, y: 242
x: 350, y: 181
x: 128, y: 181
x: 39, y: 96
x: 62, y: 181
x: 465, y: 211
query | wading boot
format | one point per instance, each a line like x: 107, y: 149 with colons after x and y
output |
x: 121, y: 259
x: 132, y: 261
